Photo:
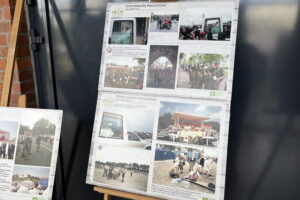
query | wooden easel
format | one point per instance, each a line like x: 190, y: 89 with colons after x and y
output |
x: 10, y: 62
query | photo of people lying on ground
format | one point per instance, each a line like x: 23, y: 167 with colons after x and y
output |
x: 203, y: 71
x: 205, y: 24
x: 127, y: 126
x: 164, y: 22
x: 8, y: 133
x: 185, y: 168
x: 189, y: 123
x: 162, y: 66
x: 125, y: 167
x: 125, y: 72
x: 35, y: 141
x: 30, y: 180
x: 129, y: 31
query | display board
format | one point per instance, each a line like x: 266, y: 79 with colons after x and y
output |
x: 162, y: 118
x: 29, y: 140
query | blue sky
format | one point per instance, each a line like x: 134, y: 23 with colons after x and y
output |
x: 135, y: 119
x: 194, y: 109
x: 10, y: 126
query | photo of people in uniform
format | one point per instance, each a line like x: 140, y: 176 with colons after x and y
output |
x: 206, y: 24
x: 203, y: 71
x: 164, y: 22
x: 125, y: 72
x: 122, y: 167
x: 185, y: 168
x: 35, y: 140
x: 30, y: 180
x: 189, y: 123
x: 162, y: 66
x: 8, y: 134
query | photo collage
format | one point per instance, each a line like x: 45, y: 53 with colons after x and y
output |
x: 153, y: 54
x: 162, y: 117
x: 26, y: 147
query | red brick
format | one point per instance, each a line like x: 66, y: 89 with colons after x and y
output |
x: 24, y: 62
x: 30, y: 97
x: 22, y: 51
x: 16, y: 87
x: 8, y: 13
x: 1, y: 15
x: 1, y: 76
x: 2, y: 63
x: 3, y: 51
x: 27, y: 86
x: 14, y: 98
x: 23, y: 40
x: 5, y: 27
x: 26, y: 75
x: 2, y: 40
x: 23, y: 27
x: 31, y: 105
x: 7, y: 3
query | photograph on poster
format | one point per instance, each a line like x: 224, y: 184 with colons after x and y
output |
x: 202, y: 71
x: 125, y: 167
x: 30, y: 180
x: 197, y: 124
x: 129, y: 127
x: 185, y: 168
x: 164, y: 22
x: 162, y: 66
x: 205, y: 24
x: 125, y: 72
x: 8, y: 134
x: 129, y: 31
x: 36, y: 138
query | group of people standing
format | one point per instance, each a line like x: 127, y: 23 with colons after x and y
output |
x: 113, y: 173
x: 26, y: 142
x: 209, y: 76
x: 7, y: 149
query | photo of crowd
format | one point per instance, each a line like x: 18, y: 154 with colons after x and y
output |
x: 203, y: 71
x: 189, y: 123
x: 206, y: 24
x: 8, y: 134
x: 125, y: 167
x: 164, y: 22
x: 35, y: 141
x: 162, y: 66
x: 185, y: 168
x: 125, y: 72
x: 30, y: 180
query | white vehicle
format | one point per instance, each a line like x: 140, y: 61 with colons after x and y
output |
x: 113, y: 130
x: 128, y: 30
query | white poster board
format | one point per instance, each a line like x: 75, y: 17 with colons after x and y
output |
x: 162, y: 118
x: 29, y: 140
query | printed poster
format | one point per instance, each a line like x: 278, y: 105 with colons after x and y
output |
x: 163, y: 108
x: 29, y: 140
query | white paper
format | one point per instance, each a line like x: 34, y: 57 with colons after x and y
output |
x: 162, y: 118
x: 29, y: 140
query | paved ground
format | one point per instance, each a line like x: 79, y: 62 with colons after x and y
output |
x: 41, y: 158
x: 153, y: 27
x: 161, y: 176
x: 137, y: 182
x: 183, y: 79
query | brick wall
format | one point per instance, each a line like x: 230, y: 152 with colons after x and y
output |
x: 23, y: 81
